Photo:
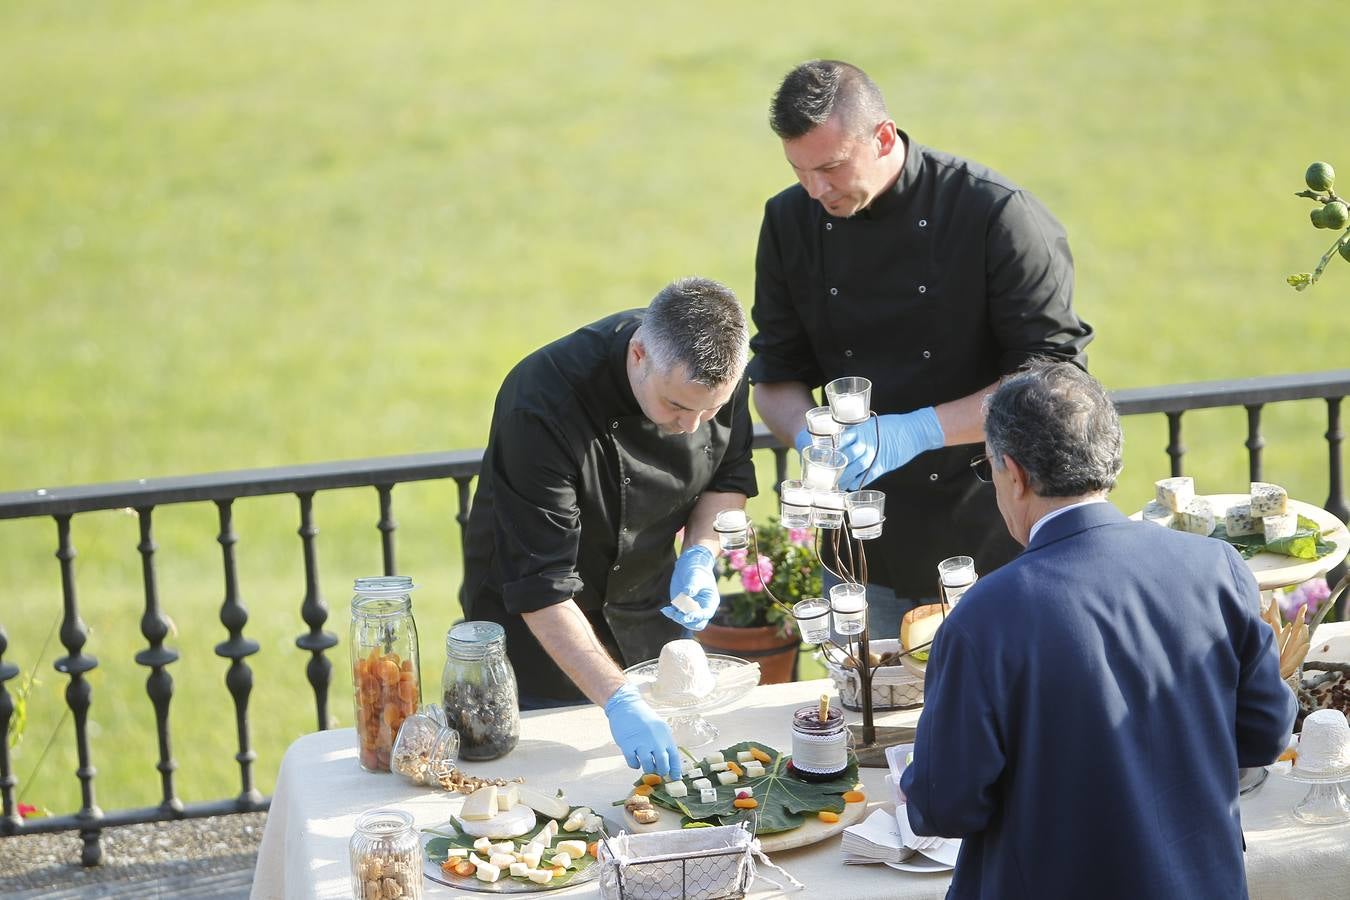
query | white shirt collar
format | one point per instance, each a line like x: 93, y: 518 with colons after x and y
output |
x: 1055, y: 512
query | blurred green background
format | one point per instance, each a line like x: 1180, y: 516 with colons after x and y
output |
x: 250, y: 234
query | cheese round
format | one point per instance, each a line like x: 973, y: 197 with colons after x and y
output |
x: 516, y: 821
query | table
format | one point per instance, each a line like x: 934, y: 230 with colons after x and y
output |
x: 321, y: 790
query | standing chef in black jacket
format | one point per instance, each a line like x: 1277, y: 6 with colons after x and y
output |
x: 929, y: 274
x: 604, y: 444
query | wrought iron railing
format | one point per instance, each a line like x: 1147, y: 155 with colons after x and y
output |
x: 224, y: 488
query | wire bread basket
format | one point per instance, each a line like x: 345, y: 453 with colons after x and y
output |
x: 893, y: 687
x: 715, y: 863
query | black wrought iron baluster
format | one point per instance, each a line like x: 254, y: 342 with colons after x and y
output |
x: 314, y: 611
x: 1175, y: 448
x: 11, y: 821
x: 159, y: 684
x: 462, y: 517
x: 79, y: 693
x: 387, y: 527
x: 1336, y: 494
x: 1254, y: 441
x: 239, y: 678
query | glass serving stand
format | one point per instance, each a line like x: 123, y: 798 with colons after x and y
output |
x: 734, y: 679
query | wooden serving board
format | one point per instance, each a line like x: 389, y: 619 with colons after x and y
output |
x: 1275, y: 571
x: 812, y: 831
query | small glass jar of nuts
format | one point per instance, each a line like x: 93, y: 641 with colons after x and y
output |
x: 427, y: 748
x: 386, y: 857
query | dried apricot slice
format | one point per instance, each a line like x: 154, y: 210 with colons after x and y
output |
x: 854, y: 796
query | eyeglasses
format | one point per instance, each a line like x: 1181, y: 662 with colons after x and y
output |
x: 982, y: 468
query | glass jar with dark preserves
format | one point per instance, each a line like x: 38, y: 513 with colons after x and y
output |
x: 480, y: 690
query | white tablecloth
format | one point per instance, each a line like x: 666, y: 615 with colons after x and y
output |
x: 321, y: 790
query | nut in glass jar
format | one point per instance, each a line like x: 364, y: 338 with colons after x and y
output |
x: 386, y: 856
x: 426, y: 749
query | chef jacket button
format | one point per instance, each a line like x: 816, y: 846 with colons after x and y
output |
x: 926, y: 354
x: 617, y: 567
x: 923, y: 289
x: 614, y: 424
x: 848, y: 353
x: 829, y: 226
x: 627, y: 480
x: 834, y: 292
x: 932, y: 476
x: 923, y: 223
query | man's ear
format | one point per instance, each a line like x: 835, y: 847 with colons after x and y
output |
x: 637, y: 351
x: 886, y: 137
x: 1017, y: 477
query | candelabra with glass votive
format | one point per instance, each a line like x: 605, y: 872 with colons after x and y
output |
x: 827, y: 509
x: 848, y: 602
x: 822, y: 427
x: 850, y: 399
x: 822, y: 467
x: 794, y: 504
x: 957, y: 575
x: 813, y: 619
x: 865, y: 514
x: 731, y: 526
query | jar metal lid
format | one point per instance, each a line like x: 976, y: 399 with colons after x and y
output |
x: 384, y: 585
x: 474, y: 638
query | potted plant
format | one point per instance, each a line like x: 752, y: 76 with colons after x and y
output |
x: 749, y: 624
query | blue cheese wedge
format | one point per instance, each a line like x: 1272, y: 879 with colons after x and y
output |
x: 1175, y: 493
x: 1158, y: 514
x: 708, y: 794
x: 1268, y: 500
x: 1197, y: 517
x: 1238, y: 520
x: 1276, y: 527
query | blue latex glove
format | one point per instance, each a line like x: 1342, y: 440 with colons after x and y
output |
x: 803, y: 440
x: 694, y: 577
x: 903, y: 437
x: 641, y: 734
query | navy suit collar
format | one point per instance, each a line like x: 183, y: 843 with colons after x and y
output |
x: 1075, y: 521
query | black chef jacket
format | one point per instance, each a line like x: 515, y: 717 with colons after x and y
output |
x: 943, y: 284
x: 580, y: 497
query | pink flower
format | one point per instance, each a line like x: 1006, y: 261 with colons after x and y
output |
x: 736, y: 559
x: 800, y: 536
x: 27, y: 809
x: 753, y: 578
x: 1311, y: 594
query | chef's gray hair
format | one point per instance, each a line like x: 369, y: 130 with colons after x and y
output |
x: 1060, y: 425
x: 816, y: 90
x: 699, y: 323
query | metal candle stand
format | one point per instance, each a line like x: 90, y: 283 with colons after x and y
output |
x: 866, y: 747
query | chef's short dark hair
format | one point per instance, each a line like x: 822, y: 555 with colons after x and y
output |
x: 699, y: 323
x: 816, y: 90
x: 1060, y: 425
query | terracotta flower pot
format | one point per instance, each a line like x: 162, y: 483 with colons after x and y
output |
x: 776, y: 655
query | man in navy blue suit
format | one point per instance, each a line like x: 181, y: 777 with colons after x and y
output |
x: 1088, y: 705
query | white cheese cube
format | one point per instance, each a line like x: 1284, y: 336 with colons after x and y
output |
x: 531, y: 855
x: 712, y: 758
x: 754, y: 770
x: 1158, y: 514
x: 483, y: 845
x: 480, y: 805
x: 561, y: 859
x: 519, y: 870
x: 744, y: 756
x: 726, y: 777
x: 708, y: 795
x: 1175, y: 493
x: 577, y: 818
x: 702, y: 784
x: 540, y: 876
x: 1238, y: 520
x: 502, y: 860
x: 1268, y: 500
x: 718, y: 767
x: 677, y: 789
x: 574, y: 849
x: 746, y: 791
x: 488, y: 872
x: 507, y: 797
x: 685, y: 604
x: 504, y: 847
x: 1197, y: 517
x: 1276, y: 527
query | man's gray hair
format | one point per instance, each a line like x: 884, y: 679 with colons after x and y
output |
x: 698, y: 323
x: 814, y: 91
x: 1060, y: 425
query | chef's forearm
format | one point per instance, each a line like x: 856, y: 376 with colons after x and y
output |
x: 782, y: 406
x: 962, y: 420
x: 698, y: 528
x: 566, y: 636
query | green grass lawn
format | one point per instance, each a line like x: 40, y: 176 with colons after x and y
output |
x: 247, y: 234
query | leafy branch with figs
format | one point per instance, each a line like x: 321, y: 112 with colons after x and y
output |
x: 1331, y: 212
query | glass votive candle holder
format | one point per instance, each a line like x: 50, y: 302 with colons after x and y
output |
x: 731, y: 525
x: 795, y: 504
x: 850, y: 399
x: 813, y: 619
x: 827, y: 509
x: 822, y: 427
x: 865, y: 513
x: 848, y: 602
x: 821, y: 468
x: 957, y: 574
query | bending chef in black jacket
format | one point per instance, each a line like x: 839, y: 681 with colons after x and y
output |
x: 604, y: 444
